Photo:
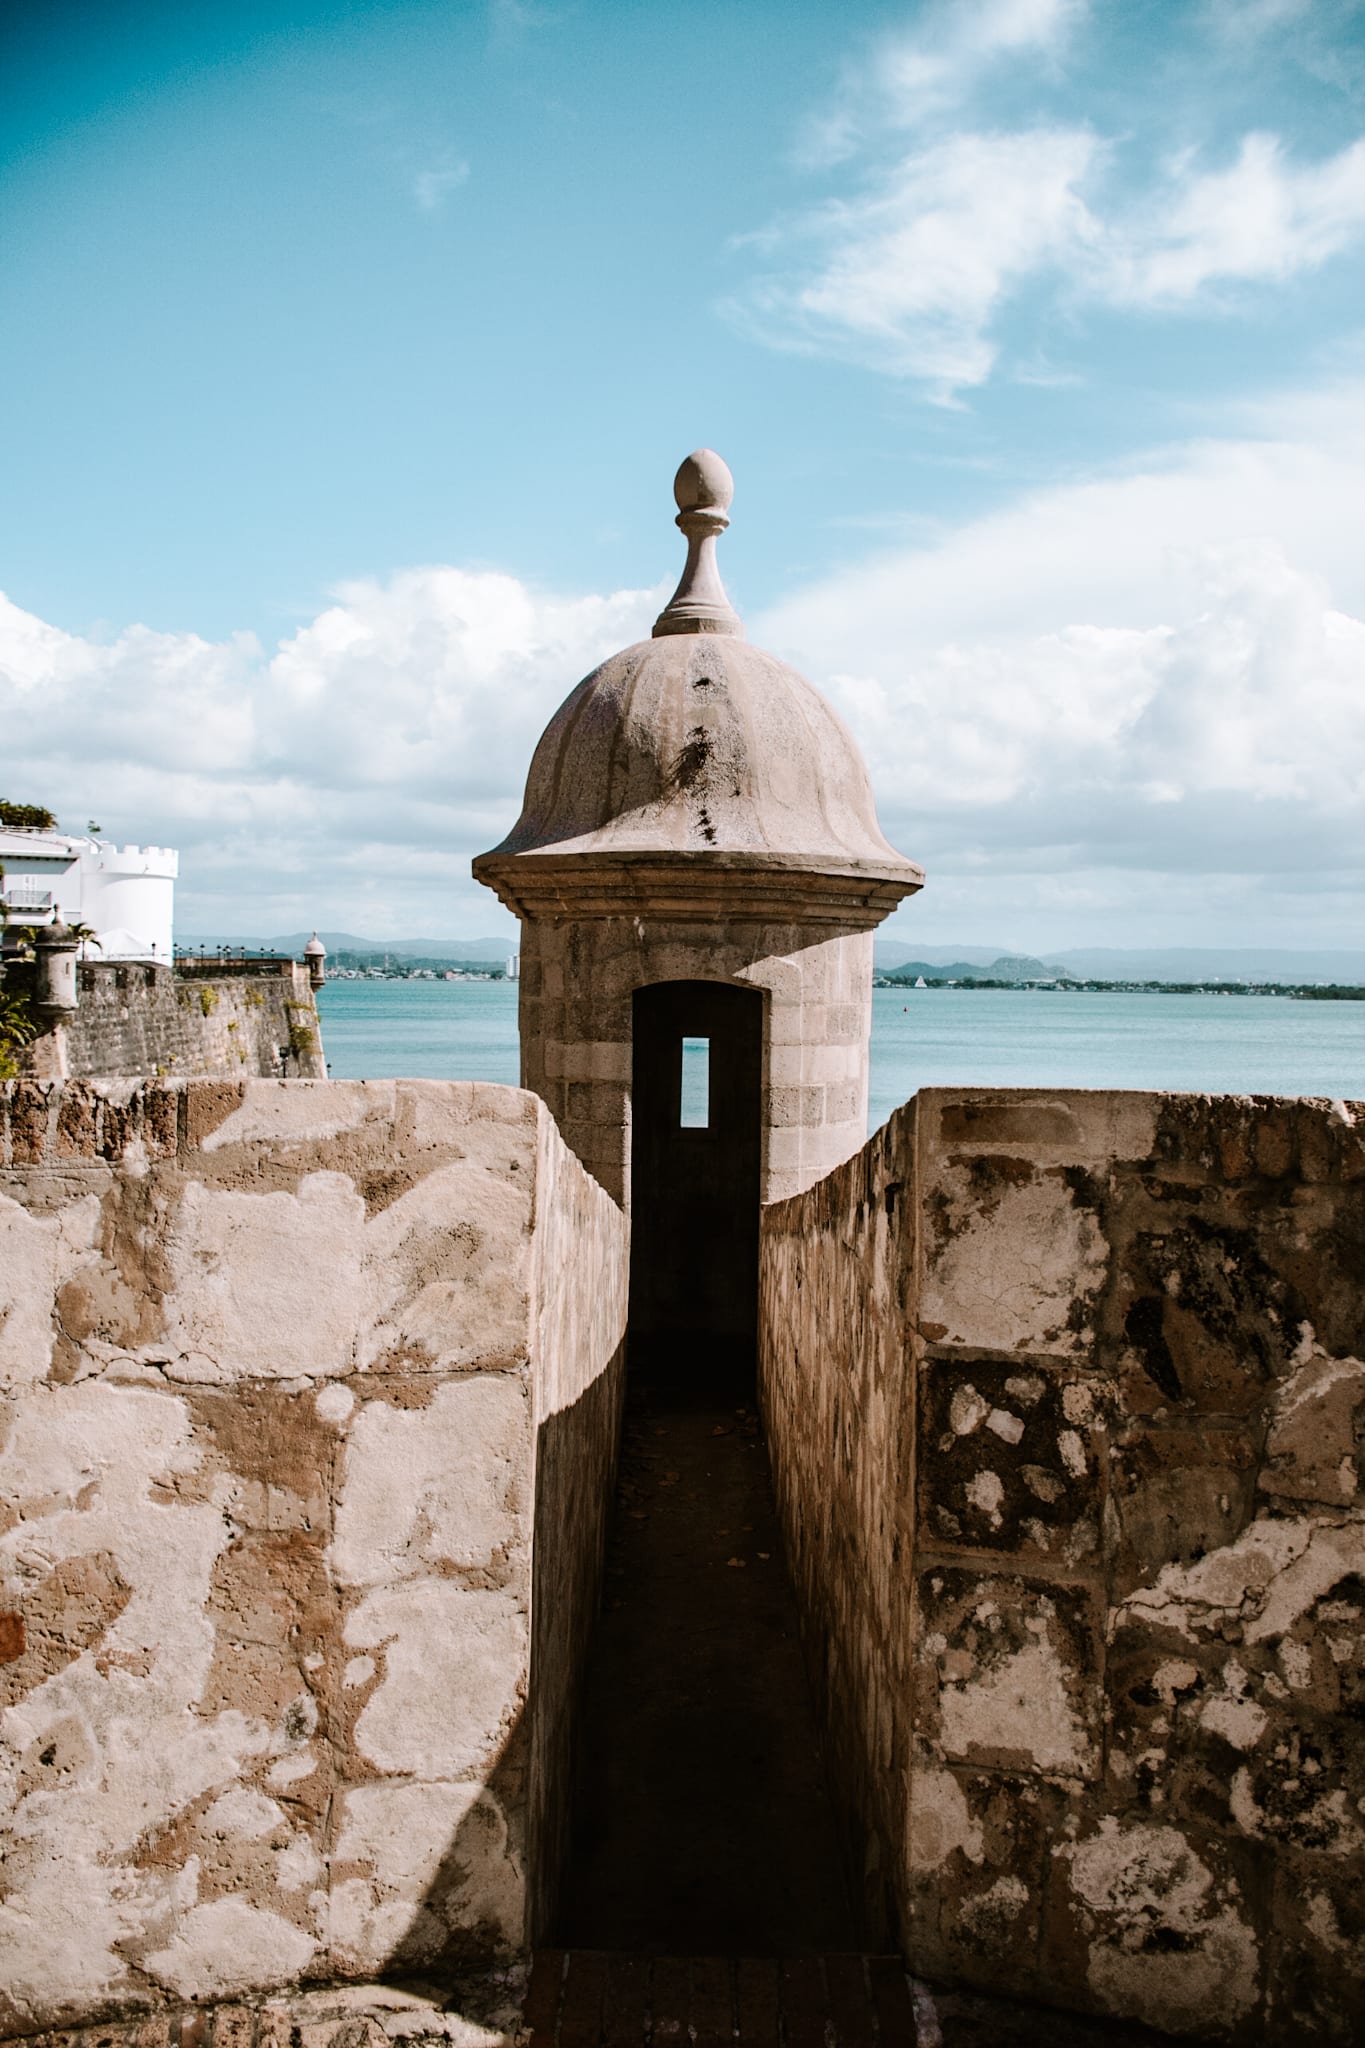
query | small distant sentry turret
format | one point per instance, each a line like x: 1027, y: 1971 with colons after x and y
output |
x: 55, y: 996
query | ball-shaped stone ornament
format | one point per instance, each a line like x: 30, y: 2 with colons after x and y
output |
x: 703, y: 482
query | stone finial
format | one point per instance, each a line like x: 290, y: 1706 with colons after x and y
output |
x: 703, y: 489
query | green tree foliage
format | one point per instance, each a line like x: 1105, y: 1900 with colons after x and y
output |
x: 17, y: 1029
x: 26, y: 817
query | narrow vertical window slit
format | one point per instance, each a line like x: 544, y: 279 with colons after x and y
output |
x: 696, y: 1084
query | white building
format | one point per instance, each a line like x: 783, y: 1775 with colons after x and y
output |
x: 126, y: 894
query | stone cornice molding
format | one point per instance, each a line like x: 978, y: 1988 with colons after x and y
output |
x: 766, y: 888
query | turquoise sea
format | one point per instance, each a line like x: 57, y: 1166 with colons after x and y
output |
x: 999, y: 1038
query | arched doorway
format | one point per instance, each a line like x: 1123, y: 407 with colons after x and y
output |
x: 703, y: 1825
x: 695, y: 1163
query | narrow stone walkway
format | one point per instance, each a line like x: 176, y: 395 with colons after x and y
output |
x: 703, y: 1826
x: 594, y: 2001
x: 598, y: 2001
x: 846, y: 2001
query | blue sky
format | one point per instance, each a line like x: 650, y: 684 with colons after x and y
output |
x: 350, y: 350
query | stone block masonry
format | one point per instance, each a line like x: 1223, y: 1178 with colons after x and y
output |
x: 137, y: 1018
x: 310, y: 1404
x: 1066, y: 1401
x: 576, y: 985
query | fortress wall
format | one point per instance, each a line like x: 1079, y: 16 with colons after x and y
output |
x: 277, y: 1360
x: 580, y: 1288
x: 1066, y: 1402
x: 137, y: 1018
x: 834, y: 1380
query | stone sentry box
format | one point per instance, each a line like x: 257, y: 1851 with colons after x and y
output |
x: 310, y: 1398
x: 695, y: 811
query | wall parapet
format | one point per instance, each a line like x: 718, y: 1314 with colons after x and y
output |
x: 310, y: 1400
x: 1065, y: 1397
x: 137, y: 1017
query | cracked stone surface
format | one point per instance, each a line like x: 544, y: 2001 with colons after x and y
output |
x: 1066, y: 1402
x: 289, y: 1370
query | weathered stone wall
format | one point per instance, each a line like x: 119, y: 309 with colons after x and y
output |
x: 139, y: 1019
x: 580, y: 1283
x: 1066, y: 1400
x: 299, y: 1381
x: 834, y: 1382
x: 577, y: 981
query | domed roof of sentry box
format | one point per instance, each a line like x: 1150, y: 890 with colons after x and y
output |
x: 695, y: 747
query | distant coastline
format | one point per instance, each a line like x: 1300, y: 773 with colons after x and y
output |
x: 1310, y: 974
x: 1311, y: 991
x: 471, y: 970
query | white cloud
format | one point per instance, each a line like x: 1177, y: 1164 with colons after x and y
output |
x: 433, y: 186
x: 1081, y: 735
x: 913, y: 265
x: 1110, y: 549
x: 912, y: 274
x: 931, y: 69
x: 1263, y: 218
x: 1129, y: 698
x: 1323, y: 37
x: 349, y: 775
x: 509, y: 20
x: 907, y: 277
x: 1126, y: 680
x: 945, y: 57
x: 1249, y: 20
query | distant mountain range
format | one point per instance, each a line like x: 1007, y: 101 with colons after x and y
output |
x: 1102, y: 963
x: 1128, y: 963
x: 1006, y: 967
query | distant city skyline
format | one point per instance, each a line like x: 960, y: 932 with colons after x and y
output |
x: 352, y: 348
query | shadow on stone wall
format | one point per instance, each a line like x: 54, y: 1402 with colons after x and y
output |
x: 310, y: 1397
x: 576, y: 1454
x: 533, y: 1773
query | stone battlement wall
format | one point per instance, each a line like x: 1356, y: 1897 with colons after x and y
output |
x: 135, y: 858
x: 1066, y: 1401
x: 311, y: 1395
x: 139, y: 1018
